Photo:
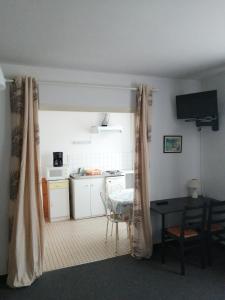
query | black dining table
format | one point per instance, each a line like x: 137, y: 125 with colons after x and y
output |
x: 175, y: 205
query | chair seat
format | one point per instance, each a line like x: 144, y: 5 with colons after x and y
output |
x: 120, y: 218
x: 176, y: 231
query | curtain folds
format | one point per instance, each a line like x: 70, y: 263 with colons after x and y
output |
x: 142, y: 231
x: 25, y: 209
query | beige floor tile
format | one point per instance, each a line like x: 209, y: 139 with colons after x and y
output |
x: 72, y: 243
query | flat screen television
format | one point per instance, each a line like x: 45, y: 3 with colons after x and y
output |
x: 197, y: 105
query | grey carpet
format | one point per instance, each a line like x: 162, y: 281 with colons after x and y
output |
x: 124, y: 278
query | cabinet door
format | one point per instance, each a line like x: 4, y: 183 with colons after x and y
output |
x: 97, y: 186
x: 82, y: 199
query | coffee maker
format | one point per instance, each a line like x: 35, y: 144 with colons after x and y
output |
x: 57, y: 159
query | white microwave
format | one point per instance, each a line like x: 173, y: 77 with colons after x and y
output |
x: 57, y: 173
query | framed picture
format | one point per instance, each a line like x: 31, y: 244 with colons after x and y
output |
x: 172, y: 144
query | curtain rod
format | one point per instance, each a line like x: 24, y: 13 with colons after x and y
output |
x: 82, y: 84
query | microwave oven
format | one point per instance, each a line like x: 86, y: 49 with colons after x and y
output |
x: 57, y: 173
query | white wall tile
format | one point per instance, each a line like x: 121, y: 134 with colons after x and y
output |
x: 106, y: 151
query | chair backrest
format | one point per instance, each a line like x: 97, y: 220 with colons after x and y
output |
x: 216, y: 214
x: 115, y: 184
x: 193, y: 217
x: 104, y: 202
x: 127, y: 213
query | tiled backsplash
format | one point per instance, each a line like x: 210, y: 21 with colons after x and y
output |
x: 101, y: 160
x: 81, y: 147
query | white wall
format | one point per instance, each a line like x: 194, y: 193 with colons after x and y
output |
x: 105, y: 151
x: 169, y: 172
x: 213, y: 144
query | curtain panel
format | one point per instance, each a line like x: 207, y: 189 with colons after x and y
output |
x: 25, y: 257
x: 142, y: 231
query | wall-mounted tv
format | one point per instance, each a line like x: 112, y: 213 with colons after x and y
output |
x: 201, y: 105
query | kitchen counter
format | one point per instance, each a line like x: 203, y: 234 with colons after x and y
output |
x: 86, y: 176
x: 103, y: 175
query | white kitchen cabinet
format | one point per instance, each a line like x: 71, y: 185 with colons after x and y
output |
x: 58, y: 197
x: 97, y: 186
x: 85, y: 196
x: 82, y: 199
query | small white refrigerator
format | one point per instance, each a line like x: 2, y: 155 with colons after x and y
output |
x: 58, y: 198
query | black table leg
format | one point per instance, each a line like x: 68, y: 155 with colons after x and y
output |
x: 163, y: 239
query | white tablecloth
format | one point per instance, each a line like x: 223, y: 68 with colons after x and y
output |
x: 122, y: 200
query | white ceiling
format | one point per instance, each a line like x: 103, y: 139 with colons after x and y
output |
x: 176, y: 38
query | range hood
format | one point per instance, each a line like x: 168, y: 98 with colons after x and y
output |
x: 99, y: 129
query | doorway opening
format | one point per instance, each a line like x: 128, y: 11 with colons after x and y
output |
x: 92, y: 160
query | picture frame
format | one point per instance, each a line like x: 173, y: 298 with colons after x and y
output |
x: 172, y: 144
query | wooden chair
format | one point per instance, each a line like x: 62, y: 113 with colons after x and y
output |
x: 189, y: 234
x: 215, y: 226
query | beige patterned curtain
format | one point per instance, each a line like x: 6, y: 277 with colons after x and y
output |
x: 25, y: 208
x: 142, y: 232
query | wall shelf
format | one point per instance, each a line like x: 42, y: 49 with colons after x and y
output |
x: 100, y: 129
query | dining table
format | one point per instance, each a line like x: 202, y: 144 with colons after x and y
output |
x: 170, y: 206
x: 123, y: 200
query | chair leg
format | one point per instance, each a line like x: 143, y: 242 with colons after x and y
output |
x: 202, y: 254
x: 129, y: 235
x: 209, y: 249
x: 112, y: 229
x: 182, y: 266
x: 163, y: 248
x: 163, y: 240
x: 117, y: 238
x: 127, y: 229
x: 107, y: 226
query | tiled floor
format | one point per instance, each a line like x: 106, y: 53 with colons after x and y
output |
x: 72, y: 242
